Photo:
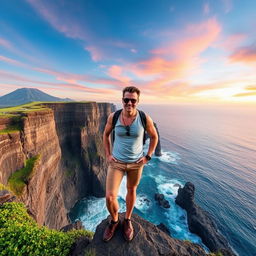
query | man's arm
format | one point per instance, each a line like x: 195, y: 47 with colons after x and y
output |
x: 106, y: 138
x: 151, y: 130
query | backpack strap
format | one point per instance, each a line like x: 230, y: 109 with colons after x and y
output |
x: 143, y: 119
x: 115, y: 118
x: 114, y: 121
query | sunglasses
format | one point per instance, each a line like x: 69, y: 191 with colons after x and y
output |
x: 127, y: 128
x: 126, y: 100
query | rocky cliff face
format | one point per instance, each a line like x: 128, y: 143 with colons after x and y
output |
x: 80, y: 129
x: 42, y: 195
x: 68, y: 140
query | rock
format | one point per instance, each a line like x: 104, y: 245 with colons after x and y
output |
x: 81, y: 243
x: 159, y: 197
x: 162, y: 201
x: 158, y: 150
x: 6, y: 196
x: 79, y: 246
x: 148, y: 240
x: 164, y: 228
x: 200, y: 222
x: 73, y: 226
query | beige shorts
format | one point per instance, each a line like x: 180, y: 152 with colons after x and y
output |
x: 116, y: 171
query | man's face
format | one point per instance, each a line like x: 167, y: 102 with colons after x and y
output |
x: 130, y: 101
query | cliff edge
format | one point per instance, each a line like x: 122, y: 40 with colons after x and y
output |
x: 148, y: 240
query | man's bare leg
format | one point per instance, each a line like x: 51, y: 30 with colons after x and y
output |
x: 130, y: 201
x: 114, y: 178
x: 133, y: 180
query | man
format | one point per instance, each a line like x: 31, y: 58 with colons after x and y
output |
x: 127, y: 158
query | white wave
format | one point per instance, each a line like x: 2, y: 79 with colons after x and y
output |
x: 169, y: 157
x: 143, y: 203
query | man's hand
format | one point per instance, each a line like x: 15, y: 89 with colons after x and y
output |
x: 110, y: 158
x: 142, y: 160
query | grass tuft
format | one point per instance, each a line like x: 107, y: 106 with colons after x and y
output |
x: 20, y: 178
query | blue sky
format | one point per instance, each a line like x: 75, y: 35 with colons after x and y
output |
x: 174, y: 51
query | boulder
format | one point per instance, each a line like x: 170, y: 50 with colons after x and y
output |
x: 162, y: 201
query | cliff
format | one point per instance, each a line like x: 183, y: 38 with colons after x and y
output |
x: 148, y: 240
x: 67, y: 138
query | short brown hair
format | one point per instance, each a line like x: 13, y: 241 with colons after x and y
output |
x: 131, y: 89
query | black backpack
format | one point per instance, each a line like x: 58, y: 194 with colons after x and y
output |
x: 142, y: 118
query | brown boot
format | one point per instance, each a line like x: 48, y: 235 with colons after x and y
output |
x: 110, y: 230
x: 128, y: 230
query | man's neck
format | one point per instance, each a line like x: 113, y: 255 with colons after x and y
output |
x: 130, y: 113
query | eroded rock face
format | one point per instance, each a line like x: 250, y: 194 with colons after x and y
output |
x: 68, y: 140
x: 148, y: 240
x: 43, y: 194
x: 200, y: 222
x: 11, y: 155
x: 80, y: 130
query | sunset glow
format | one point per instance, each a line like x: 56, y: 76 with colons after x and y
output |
x: 174, y: 51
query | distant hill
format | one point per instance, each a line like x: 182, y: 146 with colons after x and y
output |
x: 26, y: 95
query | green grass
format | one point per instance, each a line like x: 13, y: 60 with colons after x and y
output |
x: 22, y: 108
x: 20, y: 235
x: 15, y: 124
x: 215, y: 254
x: 20, y: 178
x: 90, y: 252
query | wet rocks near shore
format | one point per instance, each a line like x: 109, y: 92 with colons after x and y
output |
x: 200, y: 222
x: 162, y: 201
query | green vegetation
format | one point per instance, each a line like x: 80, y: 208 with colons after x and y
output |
x: 32, y: 106
x: 215, y: 254
x: 20, y: 178
x: 22, y: 108
x: 4, y: 187
x: 15, y: 124
x: 90, y: 252
x: 20, y: 235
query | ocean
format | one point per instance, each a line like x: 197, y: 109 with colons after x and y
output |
x: 214, y: 147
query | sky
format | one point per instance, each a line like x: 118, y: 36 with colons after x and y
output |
x: 174, y: 51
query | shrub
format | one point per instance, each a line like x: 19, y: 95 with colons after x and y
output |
x: 21, y: 235
x: 20, y: 178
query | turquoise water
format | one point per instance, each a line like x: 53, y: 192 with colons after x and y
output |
x: 214, y: 148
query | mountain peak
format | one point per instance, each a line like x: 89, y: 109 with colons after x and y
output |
x: 25, y: 95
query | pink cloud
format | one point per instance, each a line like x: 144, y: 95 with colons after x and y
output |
x: 231, y: 42
x: 228, y: 5
x: 5, y: 43
x: 244, y: 54
x: 195, y: 39
x: 117, y: 73
x: 206, y: 8
x: 95, y: 52
x: 60, y: 19
x: 12, y: 61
